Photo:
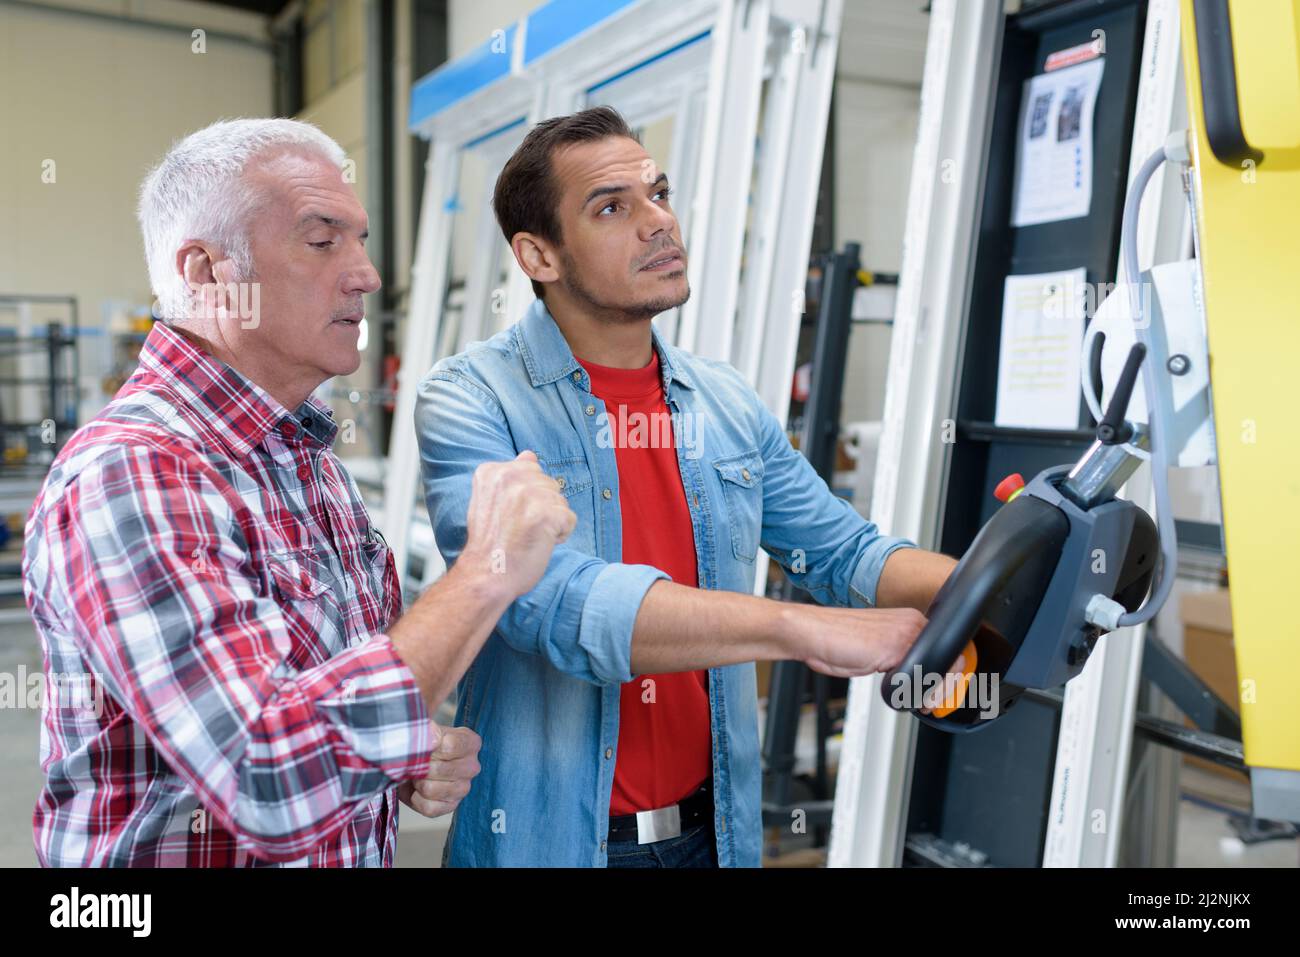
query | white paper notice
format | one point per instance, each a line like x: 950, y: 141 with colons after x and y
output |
x: 1038, y: 359
x: 1054, y: 150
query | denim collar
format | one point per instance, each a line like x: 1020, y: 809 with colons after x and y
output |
x: 548, y: 358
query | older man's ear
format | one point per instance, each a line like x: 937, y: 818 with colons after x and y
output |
x: 209, y: 280
x: 451, y: 772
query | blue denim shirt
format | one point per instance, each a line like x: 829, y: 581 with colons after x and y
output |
x: 544, y: 692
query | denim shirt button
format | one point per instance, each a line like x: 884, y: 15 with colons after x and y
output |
x: 607, y: 495
x: 577, y: 376
x: 602, y: 845
x: 590, y: 409
x: 609, y: 753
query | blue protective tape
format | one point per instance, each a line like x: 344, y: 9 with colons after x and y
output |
x: 458, y: 79
x: 562, y: 20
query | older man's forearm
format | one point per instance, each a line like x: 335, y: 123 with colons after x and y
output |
x: 444, y: 630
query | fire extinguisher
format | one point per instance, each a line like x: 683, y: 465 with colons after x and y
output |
x: 392, y: 362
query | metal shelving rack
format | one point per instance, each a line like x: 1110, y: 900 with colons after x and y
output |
x: 29, y: 444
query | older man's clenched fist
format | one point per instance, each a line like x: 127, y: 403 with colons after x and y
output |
x: 451, y: 771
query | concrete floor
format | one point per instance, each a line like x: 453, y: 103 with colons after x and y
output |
x: 20, y: 737
x: 1204, y: 836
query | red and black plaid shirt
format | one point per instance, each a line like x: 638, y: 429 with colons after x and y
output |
x: 211, y: 600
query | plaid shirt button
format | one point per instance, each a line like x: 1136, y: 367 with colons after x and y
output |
x: 304, y: 472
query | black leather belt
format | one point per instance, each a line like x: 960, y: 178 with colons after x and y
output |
x: 647, y: 827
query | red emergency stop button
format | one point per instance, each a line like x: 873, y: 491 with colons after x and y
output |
x: 1009, y: 487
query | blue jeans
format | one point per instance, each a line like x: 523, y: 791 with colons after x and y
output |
x: 694, y: 847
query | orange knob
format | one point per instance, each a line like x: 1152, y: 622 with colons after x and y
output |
x: 956, y: 682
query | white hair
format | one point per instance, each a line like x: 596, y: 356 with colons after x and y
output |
x: 194, y: 193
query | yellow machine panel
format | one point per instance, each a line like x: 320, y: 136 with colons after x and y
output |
x: 1242, y: 64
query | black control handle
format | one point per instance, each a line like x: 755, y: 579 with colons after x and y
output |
x: 1001, y: 578
x: 1113, y: 429
x: 1218, y: 68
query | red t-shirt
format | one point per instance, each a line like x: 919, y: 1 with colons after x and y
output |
x: 665, y: 747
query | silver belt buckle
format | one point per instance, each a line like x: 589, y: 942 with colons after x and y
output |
x: 659, y: 824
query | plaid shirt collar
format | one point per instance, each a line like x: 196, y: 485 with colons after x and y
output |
x: 239, y: 411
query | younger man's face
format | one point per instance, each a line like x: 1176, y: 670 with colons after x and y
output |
x: 615, y: 224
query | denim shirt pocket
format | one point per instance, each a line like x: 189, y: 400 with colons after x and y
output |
x: 573, y: 476
x: 742, y: 489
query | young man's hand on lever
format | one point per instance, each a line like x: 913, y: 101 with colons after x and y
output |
x: 682, y: 629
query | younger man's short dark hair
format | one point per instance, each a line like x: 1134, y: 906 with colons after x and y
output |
x: 526, y: 193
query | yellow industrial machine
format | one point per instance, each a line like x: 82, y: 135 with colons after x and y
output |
x: 1242, y: 64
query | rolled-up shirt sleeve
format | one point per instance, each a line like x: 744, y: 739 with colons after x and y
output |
x: 164, y: 601
x: 580, y: 615
x: 822, y: 543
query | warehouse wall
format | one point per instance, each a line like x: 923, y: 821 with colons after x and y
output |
x: 334, y: 79
x: 471, y: 22
x: 103, y: 100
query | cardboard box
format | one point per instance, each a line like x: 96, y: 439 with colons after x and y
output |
x: 1209, y: 651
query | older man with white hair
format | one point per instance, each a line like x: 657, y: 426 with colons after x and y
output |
x: 203, y: 565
